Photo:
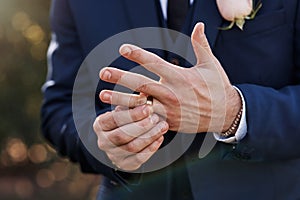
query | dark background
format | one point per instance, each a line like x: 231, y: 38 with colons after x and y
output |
x: 29, y: 167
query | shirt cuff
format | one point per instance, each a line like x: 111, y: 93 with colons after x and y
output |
x: 242, y: 129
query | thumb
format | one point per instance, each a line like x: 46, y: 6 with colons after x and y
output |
x: 200, y: 44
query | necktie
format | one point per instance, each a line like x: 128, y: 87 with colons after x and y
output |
x: 176, y: 12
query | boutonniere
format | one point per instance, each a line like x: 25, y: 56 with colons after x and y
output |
x: 237, y: 11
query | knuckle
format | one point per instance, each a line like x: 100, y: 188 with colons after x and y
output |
x: 115, y: 98
x: 146, y: 141
x: 158, y: 61
x: 143, y: 88
x: 116, y: 120
x: 105, y: 115
x: 141, y: 143
x: 144, y: 123
x: 131, y: 147
x: 96, y: 125
x: 119, y: 108
x: 135, y: 114
x: 101, y: 145
x: 103, y: 121
x: 117, y: 138
x: 132, y: 101
x: 105, y: 125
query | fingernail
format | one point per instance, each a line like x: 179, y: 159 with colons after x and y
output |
x: 125, y: 50
x: 163, y: 126
x: 156, y: 143
x: 106, y: 75
x: 160, y: 140
x: 106, y: 97
x: 154, y: 119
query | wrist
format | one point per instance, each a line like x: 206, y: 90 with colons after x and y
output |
x: 234, y: 110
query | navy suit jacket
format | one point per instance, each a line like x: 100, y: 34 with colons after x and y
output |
x: 263, y: 61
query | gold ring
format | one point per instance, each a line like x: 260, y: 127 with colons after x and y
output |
x: 149, y: 100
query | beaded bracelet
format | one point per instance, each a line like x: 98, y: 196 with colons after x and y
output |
x: 233, y: 128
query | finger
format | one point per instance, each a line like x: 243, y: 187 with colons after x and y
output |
x: 141, y: 142
x: 138, y: 144
x: 135, y: 161
x: 156, y: 106
x: 120, y: 108
x: 200, y: 44
x: 129, y: 132
x: 122, y: 99
x: 112, y: 120
x: 147, y: 59
x: 133, y: 81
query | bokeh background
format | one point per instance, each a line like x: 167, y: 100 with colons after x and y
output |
x: 29, y: 167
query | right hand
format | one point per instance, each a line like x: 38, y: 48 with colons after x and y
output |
x: 130, y: 137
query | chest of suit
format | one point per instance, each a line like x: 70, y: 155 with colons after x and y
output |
x: 261, y: 54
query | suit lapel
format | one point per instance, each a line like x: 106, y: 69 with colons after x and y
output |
x: 207, y: 11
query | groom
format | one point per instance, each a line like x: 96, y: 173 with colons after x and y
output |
x: 245, y: 87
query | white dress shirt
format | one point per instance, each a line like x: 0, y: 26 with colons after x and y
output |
x: 164, y: 5
x: 242, y: 129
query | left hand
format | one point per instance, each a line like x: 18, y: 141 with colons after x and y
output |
x: 197, y: 99
x: 129, y: 137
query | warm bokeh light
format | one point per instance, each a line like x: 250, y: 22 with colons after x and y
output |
x: 17, y: 150
x: 24, y: 188
x: 60, y: 170
x: 29, y: 167
x: 37, y: 153
x: 21, y: 21
x: 34, y: 34
x: 45, y: 178
x: 78, y: 186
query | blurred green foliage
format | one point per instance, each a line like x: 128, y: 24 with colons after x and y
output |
x: 29, y: 168
x: 24, y: 36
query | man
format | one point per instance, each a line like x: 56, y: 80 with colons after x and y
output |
x: 261, y: 61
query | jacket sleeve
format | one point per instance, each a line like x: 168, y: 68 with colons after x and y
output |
x: 273, y: 117
x: 64, y: 59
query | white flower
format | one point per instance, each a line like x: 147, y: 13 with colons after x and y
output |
x: 237, y: 11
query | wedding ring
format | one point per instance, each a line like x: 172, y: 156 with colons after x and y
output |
x: 149, y: 100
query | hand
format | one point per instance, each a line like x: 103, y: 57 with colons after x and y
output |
x: 197, y: 99
x: 130, y: 137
